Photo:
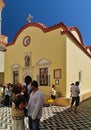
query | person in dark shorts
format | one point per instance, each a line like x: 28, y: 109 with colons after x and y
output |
x: 75, y: 91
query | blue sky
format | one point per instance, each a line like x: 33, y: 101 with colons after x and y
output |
x: 49, y: 12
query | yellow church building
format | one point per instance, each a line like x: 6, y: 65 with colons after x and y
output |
x: 50, y: 55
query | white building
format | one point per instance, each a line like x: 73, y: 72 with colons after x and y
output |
x: 3, y: 42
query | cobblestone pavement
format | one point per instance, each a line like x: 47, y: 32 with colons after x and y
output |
x: 54, y: 118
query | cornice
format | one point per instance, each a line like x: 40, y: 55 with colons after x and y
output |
x: 65, y: 30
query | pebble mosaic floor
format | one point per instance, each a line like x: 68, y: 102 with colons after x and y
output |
x: 54, y: 118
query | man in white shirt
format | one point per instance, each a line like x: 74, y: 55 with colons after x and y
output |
x: 35, y: 106
x: 75, y: 91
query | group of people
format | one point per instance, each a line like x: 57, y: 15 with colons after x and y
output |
x: 75, y: 98
x: 27, y: 101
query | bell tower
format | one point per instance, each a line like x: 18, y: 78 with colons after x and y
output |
x: 2, y: 4
x: 3, y: 43
x: 3, y: 39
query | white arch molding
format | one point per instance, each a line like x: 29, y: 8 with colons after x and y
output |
x: 27, y: 71
x: 15, y: 68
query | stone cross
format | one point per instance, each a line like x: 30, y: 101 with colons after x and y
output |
x: 29, y: 18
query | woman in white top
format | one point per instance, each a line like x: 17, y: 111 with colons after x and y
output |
x: 53, y: 92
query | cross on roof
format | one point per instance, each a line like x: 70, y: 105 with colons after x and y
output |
x: 29, y: 18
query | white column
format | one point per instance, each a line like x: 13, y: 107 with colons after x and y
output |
x: 2, y: 4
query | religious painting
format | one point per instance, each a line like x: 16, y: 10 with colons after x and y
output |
x: 43, y: 76
x: 26, y: 41
x: 57, y: 73
x: 27, y: 61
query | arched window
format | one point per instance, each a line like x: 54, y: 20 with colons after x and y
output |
x: 15, y: 73
x: 43, y: 72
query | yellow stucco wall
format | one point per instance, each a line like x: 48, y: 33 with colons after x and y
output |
x: 77, y: 61
x: 60, y: 50
x: 50, y: 45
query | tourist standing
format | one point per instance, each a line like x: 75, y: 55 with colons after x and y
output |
x: 35, y: 106
x: 72, y: 84
x: 75, y: 91
x: 53, y: 92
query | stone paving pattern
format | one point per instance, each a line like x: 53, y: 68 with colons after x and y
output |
x: 54, y: 118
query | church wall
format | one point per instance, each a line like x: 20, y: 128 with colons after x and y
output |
x: 78, y: 67
x: 50, y: 45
